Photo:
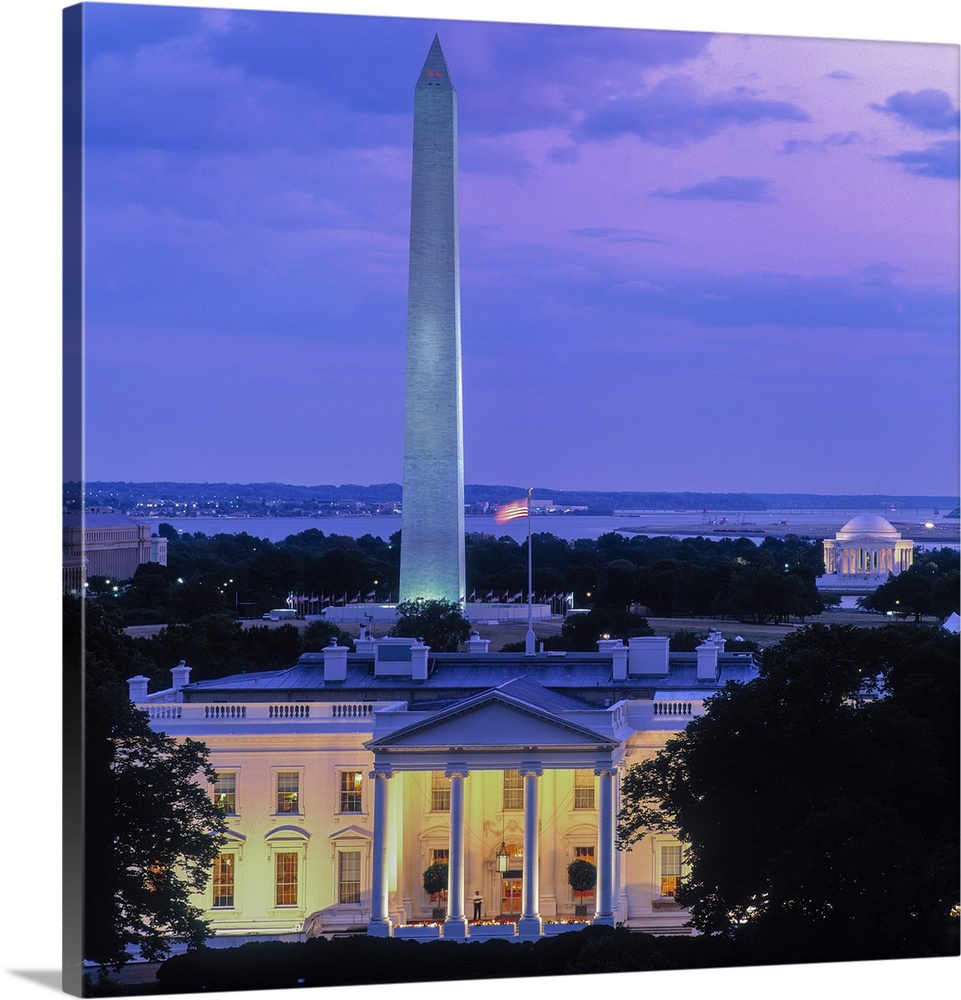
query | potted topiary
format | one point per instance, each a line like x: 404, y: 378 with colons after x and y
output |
x: 435, y: 883
x: 582, y: 877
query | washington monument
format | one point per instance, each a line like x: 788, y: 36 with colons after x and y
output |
x: 432, y: 547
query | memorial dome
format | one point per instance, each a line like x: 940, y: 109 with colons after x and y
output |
x: 868, y: 524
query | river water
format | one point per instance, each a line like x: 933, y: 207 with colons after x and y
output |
x: 573, y: 526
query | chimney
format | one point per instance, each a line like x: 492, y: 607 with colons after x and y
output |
x: 418, y: 661
x: 707, y: 661
x: 619, y: 664
x: 475, y: 644
x: 365, y: 644
x: 335, y: 662
x: 649, y: 655
x: 181, y: 675
x: 714, y: 636
x: 138, y: 689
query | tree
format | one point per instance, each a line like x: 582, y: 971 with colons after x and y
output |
x: 800, y: 795
x: 582, y: 877
x: 319, y: 634
x: 929, y: 587
x: 616, y: 590
x: 436, y: 877
x: 439, y: 623
x: 150, y: 830
x: 582, y: 630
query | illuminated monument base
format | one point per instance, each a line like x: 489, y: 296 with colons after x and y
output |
x: 475, y: 612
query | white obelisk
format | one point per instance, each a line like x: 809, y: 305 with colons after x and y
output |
x: 432, y: 539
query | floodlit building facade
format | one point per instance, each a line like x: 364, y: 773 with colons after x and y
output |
x: 868, y: 546
x: 344, y: 777
x: 106, y: 544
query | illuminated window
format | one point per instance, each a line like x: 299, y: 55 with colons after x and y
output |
x: 439, y: 792
x: 583, y: 789
x: 288, y: 791
x: 351, y: 786
x: 285, y: 878
x: 225, y: 792
x: 348, y: 877
x: 513, y: 790
x: 223, y: 881
x: 157, y: 876
x: 670, y: 869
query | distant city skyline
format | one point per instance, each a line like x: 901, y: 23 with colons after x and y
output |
x: 689, y: 261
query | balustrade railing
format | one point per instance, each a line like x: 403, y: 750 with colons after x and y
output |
x: 673, y: 708
x: 261, y: 712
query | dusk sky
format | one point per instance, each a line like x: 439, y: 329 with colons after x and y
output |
x: 689, y: 261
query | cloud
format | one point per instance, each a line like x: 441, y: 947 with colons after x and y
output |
x: 478, y: 155
x: 929, y: 110
x: 853, y: 301
x: 840, y: 74
x: 677, y: 110
x: 553, y: 292
x: 612, y: 235
x: 562, y: 154
x: 940, y: 159
x: 828, y: 142
x: 721, y: 189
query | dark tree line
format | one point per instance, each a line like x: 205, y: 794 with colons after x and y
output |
x: 668, y: 577
x: 150, y: 830
x: 819, y: 802
x: 213, y: 645
x: 930, y: 587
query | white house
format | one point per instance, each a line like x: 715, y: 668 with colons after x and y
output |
x: 345, y: 776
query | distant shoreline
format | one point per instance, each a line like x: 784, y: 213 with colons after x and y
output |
x: 949, y: 533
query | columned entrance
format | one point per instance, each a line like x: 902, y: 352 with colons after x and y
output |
x: 530, y: 922
x: 455, y: 926
x: 498, y: 731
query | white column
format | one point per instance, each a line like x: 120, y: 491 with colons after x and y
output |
x: 529, y: 925
x: 379, y: 924
x: 455, y: 926
x: 605, y: 847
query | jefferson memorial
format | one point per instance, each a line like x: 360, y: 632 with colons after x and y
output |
x: 867, y: 547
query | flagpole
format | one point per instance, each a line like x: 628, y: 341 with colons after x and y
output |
x: 529, y: 639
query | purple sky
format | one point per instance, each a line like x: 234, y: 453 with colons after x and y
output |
x: 688, y: 261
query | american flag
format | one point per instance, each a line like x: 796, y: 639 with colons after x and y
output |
x: 511, y: 511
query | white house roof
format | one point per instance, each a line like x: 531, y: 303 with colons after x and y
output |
x: 512, y: 715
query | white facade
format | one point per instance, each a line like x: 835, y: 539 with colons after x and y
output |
x: 345, y: 776
x: 105, y: 544
x: 868, y: 546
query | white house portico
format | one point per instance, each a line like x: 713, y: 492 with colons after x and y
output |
x: 502, y: 730
x: 345, y: 776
